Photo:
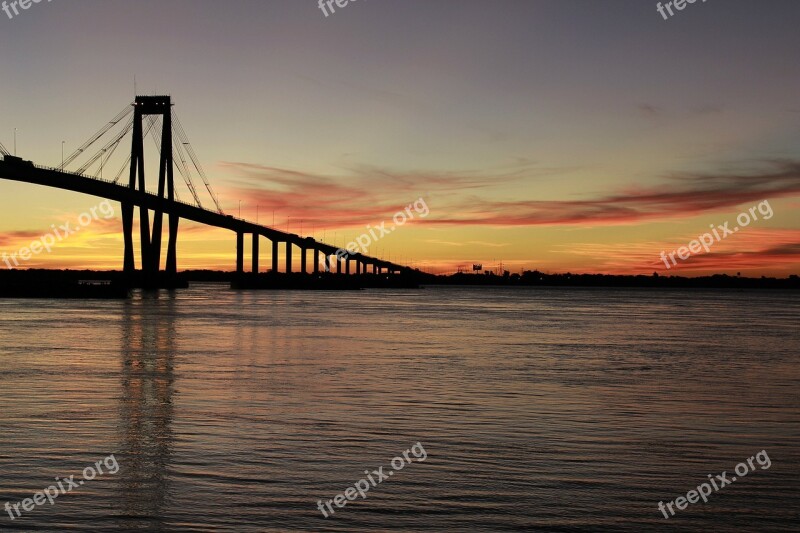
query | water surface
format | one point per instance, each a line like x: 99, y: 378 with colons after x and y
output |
x: 539, y: 409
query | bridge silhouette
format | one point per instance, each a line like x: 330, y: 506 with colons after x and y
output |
x: 158, y: 110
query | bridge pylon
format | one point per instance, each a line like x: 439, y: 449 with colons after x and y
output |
x: 151, y: 241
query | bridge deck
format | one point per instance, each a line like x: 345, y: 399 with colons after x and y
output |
x: 27, y: 172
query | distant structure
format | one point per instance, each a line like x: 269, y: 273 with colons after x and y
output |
x: 159, y: 113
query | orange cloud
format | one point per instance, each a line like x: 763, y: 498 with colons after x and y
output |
x: 685, y: 195
x: 373, y: 196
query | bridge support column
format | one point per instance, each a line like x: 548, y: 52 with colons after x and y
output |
x: 316, y: 261
x: 166, y: 188
x: 275, y: 257
x: 347, y: 266
x: 358, y: 267
x: 303, y: 256
x: 129, y: 267
x: 151, y: 241
x: 327, y: 263
x: 147, y: 256
x: 288, y: 257
x: 172, y: 247
x: 155, y: 244
x: 239, y: 252
x: 255, y: 253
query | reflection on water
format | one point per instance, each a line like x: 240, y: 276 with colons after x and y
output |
x: 540, y: 410
x: 147, y: 349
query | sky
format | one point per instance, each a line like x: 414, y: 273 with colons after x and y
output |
x: 557, y: 135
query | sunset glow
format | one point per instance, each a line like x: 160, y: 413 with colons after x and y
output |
x: 594, y: 159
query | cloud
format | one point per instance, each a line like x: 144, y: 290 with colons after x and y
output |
x: 784, y: 257
x: 444, y: 243
x: 365, y: 195
x: 649, y: 110
x: 490, y: 244
x: 683, y: 195
x: 765, y: 250
x: 11, y: 237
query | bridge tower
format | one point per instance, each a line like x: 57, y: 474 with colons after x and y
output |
x: 151, y: 242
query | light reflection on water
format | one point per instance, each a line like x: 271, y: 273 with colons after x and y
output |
x: 552, y: 410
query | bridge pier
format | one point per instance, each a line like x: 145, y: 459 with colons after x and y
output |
x: 255, y: 253
x: 303, y: 265
x: 239, y: 252
x: 172, y: 247
x: 274, y: 256
x: 144, y: 234
x: 316, y: 261
x: 150, y: 241
x: 155, y: 243
x: 288, y: 257
x: 127, y: 229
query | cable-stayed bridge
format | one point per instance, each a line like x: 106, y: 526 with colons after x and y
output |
x: 147, y: 116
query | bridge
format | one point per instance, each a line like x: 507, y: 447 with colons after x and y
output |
x: 158, y: 112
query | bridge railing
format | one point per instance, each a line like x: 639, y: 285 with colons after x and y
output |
x: 109, y: 181
x: 152, y: 193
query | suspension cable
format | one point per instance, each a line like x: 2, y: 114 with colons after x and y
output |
x: 110, y: 153
x: 113, y: 142
x: 181, y: 144
x: 116, y: 120
x: 185, y: 173
x: 128, y: 160
x: 195, y: 160
x: 126, y: 164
